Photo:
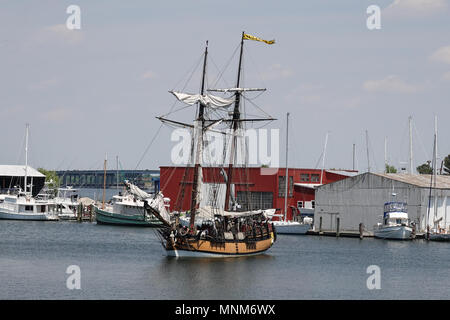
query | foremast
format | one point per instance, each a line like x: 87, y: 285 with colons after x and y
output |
x: 199, y: 128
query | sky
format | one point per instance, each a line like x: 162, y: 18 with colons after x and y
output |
x: 97, y: 90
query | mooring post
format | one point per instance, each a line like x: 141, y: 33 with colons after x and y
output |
x: 361, y: 230
x: 320, y: 225
x: 428, y: 232
x: 337, y: 226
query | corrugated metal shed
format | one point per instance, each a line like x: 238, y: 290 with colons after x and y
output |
x: 420, y: 180
x: 18, y: 171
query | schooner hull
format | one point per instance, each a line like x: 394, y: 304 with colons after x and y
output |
x: 206, y: 248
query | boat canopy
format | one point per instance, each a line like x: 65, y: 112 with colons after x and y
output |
x: 395, y: 207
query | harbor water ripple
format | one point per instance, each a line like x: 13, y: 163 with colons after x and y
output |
x: 129, y: 263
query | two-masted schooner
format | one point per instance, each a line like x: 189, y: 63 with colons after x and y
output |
x: 214, y: 229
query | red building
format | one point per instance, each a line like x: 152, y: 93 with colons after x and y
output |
x: 255, y: 188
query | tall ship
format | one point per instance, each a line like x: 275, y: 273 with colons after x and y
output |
x: 217, y: 225
x: 19, y: 204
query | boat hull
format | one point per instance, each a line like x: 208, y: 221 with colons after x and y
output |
x: 393, y: 233
x: 291, y: 227
x: 206, y: 248
x: 106, y: 217
x: 440, y: 237
x: 27, y: 216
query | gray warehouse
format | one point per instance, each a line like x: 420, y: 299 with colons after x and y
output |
x: 360, y: 199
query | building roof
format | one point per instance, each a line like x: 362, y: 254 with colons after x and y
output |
x: 420, y: 180
x: 348, y: 173
x: 18, y: 171
x: 307, y: 185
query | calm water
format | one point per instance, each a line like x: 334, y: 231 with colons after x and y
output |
x: 128, y: 263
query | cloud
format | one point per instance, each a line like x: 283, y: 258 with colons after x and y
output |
x: 390, y: 84
x: 416, y: 7
x: 149, y: 75
x: 446, y: 76
x: 305, y: 94
x: 275, y: 72
x: 44, y: 84
x: 58, y: 33
x: 441, y: 55
x: 58, y: 114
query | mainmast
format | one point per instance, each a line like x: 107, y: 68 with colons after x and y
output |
x: 197, y: 169
x: 235, y: 127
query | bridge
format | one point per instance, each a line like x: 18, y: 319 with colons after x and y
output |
x: 145, y: 179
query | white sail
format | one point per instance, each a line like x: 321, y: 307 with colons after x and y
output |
x: 208, y: 100
x: 237, y: 89
x: 135, y: 190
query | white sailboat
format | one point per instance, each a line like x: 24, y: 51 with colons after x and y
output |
x: 21, y: 205
x: 285, y: 226
x: 437, y: 232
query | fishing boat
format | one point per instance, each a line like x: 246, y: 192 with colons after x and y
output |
x: 66, y: 202
x: 126, y: 209
x: 395, y: 223
x: 439, y: 229
x: 225, y: 230
x: 19, y: 204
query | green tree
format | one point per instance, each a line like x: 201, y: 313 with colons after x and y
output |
x: 425, y: 168
x: 390, y: 169
x: 447, y: 164
x: 51, y: 179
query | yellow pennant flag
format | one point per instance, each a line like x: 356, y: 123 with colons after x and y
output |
x: 250, y: 37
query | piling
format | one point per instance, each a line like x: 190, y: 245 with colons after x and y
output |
x: 337, y: 226
x: 320, y: 225
x: 361, y: 230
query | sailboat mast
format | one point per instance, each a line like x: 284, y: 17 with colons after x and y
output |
x: 104, y: 182
x: 411, y: 169
x: 117, y: 172
x: 323, y: 157
x: 235, y: 127
x: 198, y: 168
x: 286, y: 176
x: 435, y: 167
x: 367, y: 149
x: 26, y: 157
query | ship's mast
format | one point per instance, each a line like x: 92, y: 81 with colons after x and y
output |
x: 235, y: 127
x: 26, y: 158
x: 286, y: 176
x: 198, y: 168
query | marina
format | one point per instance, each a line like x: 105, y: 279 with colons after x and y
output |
x: 180, y: 152
x: 129, y: 263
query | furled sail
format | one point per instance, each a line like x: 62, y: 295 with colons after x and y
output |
x: 135, y: 190
x: 237, y: 89
x: 208, y: 100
